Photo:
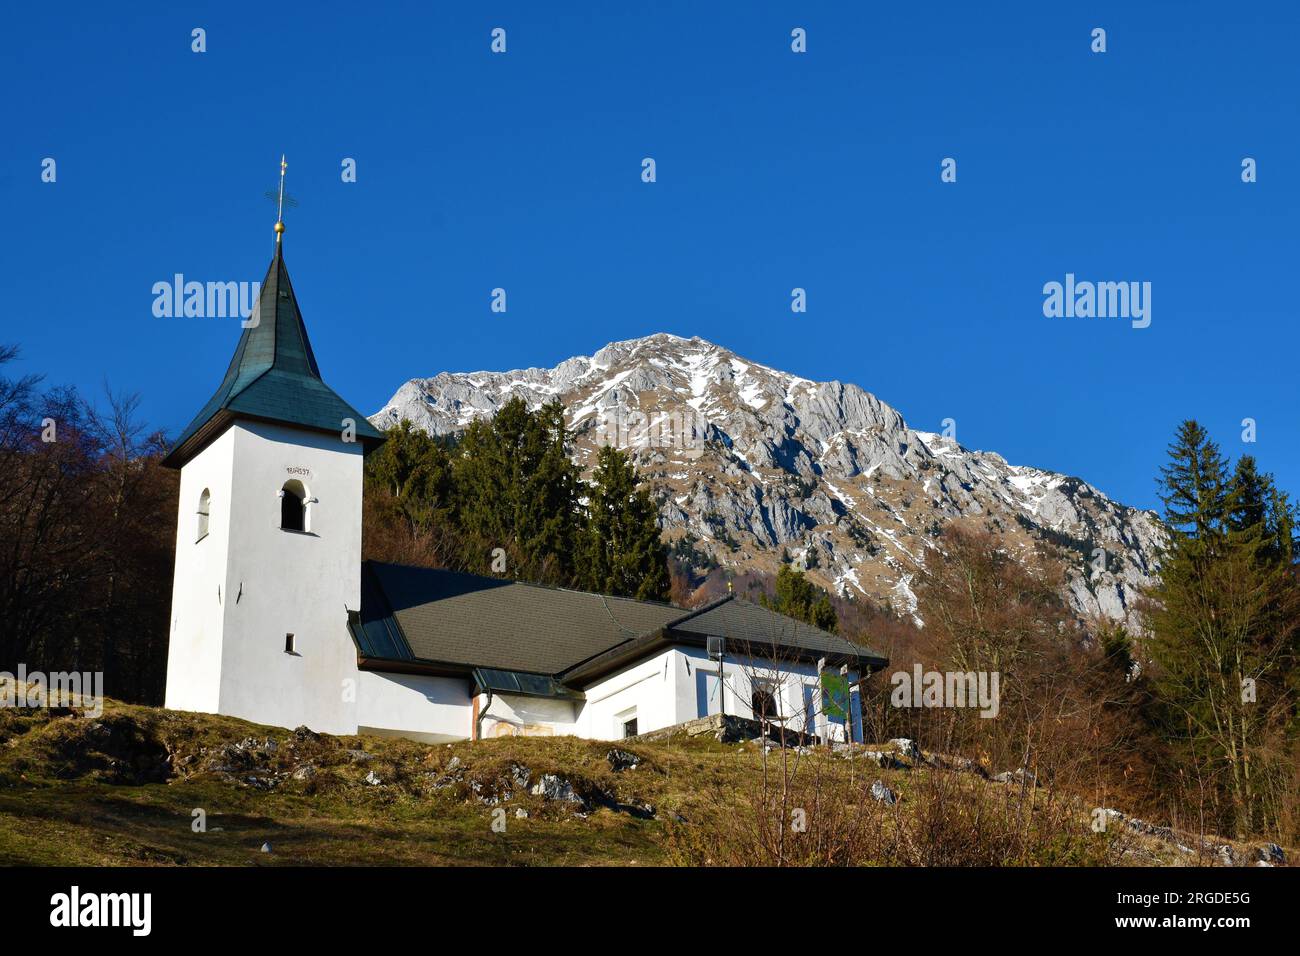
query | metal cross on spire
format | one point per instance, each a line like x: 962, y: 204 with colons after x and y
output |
x: 281, y: 199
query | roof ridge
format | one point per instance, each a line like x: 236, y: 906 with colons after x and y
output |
x: 299, y: 327
x: 535, y: 584
x: 702, y: 609
x: 236, y: 392
x: 832, y: 635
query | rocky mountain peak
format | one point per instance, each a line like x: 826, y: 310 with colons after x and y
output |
x: 752, y: 463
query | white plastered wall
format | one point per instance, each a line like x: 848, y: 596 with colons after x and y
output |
x: 199, y: 584
x: 787, y: 680
x: 514, y: 715
x: 228, y: 651
x: 664, y: 690
x: 646, y: 689
x: 421, y: 707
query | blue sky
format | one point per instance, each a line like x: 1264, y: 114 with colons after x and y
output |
x: 775, y: 170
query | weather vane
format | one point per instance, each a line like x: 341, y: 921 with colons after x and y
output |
x: 281, y: 199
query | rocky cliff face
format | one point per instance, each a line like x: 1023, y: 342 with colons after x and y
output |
x: 751, y: 463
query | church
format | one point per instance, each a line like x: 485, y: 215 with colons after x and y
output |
x: 278, y: 620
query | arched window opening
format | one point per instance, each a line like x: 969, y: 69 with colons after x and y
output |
x: 763, y: 700
x: 293, y: 506
x: 205, y: 504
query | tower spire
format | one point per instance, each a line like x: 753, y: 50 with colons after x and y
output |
x: 279, y: 212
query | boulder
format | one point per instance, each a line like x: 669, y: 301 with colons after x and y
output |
x: 907, y: 747
x: 620, y: 760
x: 372, y: 779
x: 252, y: 745
x: 1271, y: 853
x: 1150, y: 829
x: 554, y: 787
x: 520, y: 775
x: 882, y: 793
x: 1021, y: 776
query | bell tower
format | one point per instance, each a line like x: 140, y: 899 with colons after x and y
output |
x: 268, y: 538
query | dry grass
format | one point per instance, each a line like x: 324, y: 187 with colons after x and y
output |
x: 121, y: 790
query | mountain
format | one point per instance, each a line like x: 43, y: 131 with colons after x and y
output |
x: 752, y: 464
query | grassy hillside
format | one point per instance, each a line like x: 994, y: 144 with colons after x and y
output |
x: 124, y: 788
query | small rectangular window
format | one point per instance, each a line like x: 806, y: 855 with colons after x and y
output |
x: 288, y: 644
x: 629, y: 728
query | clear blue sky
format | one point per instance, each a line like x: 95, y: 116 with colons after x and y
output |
x: 775, y: 170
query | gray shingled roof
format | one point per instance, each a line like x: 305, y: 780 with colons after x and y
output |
x: 272, y: 376
x: 454, y: 618
x: 745, y: 623
x: 463, y: 621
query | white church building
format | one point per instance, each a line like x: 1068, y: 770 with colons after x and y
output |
x: 277, y: 619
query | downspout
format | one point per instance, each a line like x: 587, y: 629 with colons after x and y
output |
x: 478, y: 721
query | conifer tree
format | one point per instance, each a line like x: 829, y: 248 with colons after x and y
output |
x: 799, y: 598
x: 517, y: 490
x: 1261, y: 510
x: 1251, y: 493
x: 1222, y: 623
x: 1194, y: 484
x: 1282, y: 518
x: 621, y: 552
x: 413, y: 469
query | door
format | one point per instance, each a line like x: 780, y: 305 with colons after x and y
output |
x: 810, y: 710
x: 707, y: 698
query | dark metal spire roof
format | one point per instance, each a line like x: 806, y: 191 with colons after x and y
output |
x: 272, y: 377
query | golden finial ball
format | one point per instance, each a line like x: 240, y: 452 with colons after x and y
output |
x: 279, y: 227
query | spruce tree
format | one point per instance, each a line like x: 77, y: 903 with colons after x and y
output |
x: 1282, y: 528
x: 1251, y: 495
x: 621, y: 552
x: 517, y: 490
x: 1194, y: 485
x: 1222, y: 623
x: 413, y: 470
x: 797, y: 597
